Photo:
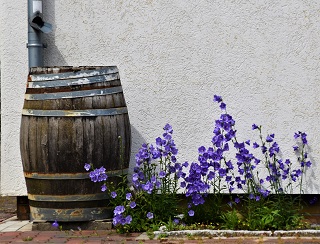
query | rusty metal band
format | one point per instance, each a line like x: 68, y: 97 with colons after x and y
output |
x: 70, y: 176
x: 74, y: 82
x: 72, y: 215
x: 68, y: 198
x: 75, y: 113
x: 71, y: 75
x: 74, y: 94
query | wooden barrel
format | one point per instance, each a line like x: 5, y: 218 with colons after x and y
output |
x: 72, y: 116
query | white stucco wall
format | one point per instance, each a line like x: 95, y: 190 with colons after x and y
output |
x: 173, y: 56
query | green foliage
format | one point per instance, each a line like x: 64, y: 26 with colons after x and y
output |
x: 279, y: 212
x: 231, y: 220
x: 162, y: 236
x: 276, y: 212
x: 28, y: 238
x: 150, y: 234
x: 207, y: 213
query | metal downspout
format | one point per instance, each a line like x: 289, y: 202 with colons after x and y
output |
x: 36, y: 26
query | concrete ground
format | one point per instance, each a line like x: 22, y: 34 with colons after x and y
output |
x: 13, y: 230
x: 16, y: 231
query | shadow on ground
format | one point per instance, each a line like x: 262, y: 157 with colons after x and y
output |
x: 8, y: 207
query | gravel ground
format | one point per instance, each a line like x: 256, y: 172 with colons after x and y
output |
x: 8, y: 207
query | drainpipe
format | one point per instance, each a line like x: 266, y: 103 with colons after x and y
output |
x: 36, y: 27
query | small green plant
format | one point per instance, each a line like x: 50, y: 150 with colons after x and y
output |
x: 171, y: 225
x: 28, y: 238
x: 231, y: 220
x: 272, y: 213
x: 190, y: 236
x: 163, y: 236
x: 150, y: 234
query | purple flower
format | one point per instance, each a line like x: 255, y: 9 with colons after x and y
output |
x: 257, y: 161
x: 119, y: 210
x: 98, y: 175
x: 162, y: 174
x: 264, y: 149
x: 185, y: 164
x: 217, y: 98
x: 229, y: 165
x: 237, y: 200
x: 55, y: 224
x: 304, y: 138
x: 274, y: 149
x: 158, y: 184
x: 269, y: 138
x: 133, y: 205
x: 295, y: 148
x: 308, y: 164
x: 152, y: 180
x: 120, y: 219
x: 302, y: 135
x: 201, y: 150
x: 150, y: 215
x: 254, y: 126
x: 113, y: 194
x: 222, y: 172
x: 191, y: 213
x: 173, y: 159
x: 128, y: 219
x: 255, y: 145
x: 103, y: 188
x: 181, y: 174
x: 148, y: 187
x: 168, y: 128
x: 128, y: 196
x: 223, y: 106
x: 159, y: 141
x: 117, y: 219
x: 87, y: 167
x: 228, y: 178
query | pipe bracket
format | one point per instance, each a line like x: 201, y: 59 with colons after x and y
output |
x: 44, y: 45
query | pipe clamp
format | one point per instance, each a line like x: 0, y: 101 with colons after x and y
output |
x: 44, y: 45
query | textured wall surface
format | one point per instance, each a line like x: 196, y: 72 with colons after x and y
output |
x: 173, y: 56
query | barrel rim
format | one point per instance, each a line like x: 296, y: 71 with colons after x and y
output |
x: 75, y: 113
x: 36, y: 75
x: 73, y: 82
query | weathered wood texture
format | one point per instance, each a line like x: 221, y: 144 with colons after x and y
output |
x: 72, y: 116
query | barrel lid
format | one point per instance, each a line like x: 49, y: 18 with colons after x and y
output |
x: 68, y: 72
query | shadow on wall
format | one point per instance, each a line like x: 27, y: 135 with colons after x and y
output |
x: 52, y: 55
x: 312, y: 182
x: 136, y: 141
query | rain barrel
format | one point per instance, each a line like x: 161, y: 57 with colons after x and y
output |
x: 72, y: 116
